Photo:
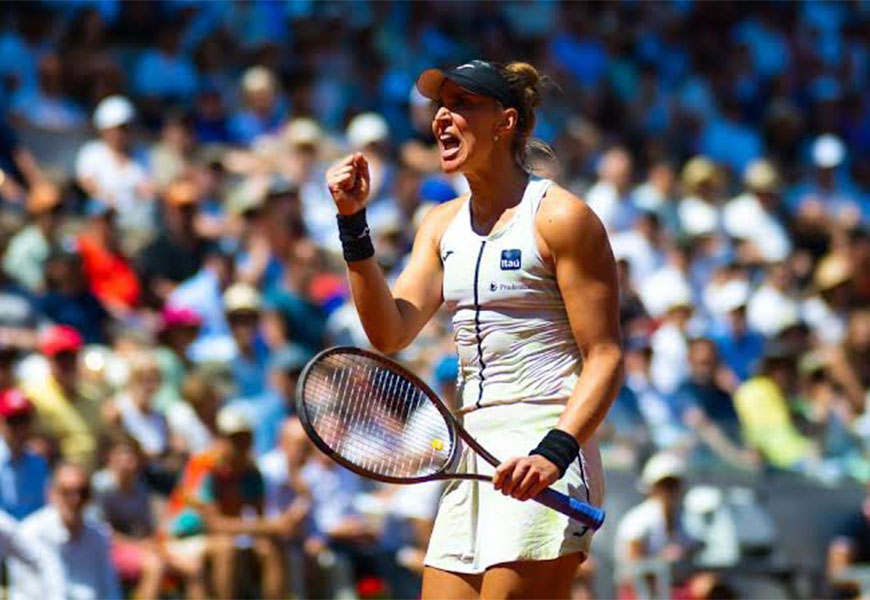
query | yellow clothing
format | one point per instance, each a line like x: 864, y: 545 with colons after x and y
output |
x: 767, y: 425
x: 74, y: 422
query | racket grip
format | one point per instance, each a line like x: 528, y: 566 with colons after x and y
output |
x: 590, y: 516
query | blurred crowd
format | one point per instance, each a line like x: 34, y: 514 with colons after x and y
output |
x: 170, y: 261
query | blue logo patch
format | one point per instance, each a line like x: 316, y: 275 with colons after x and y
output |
x: 511, y: 260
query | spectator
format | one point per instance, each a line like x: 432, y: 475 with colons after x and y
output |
x: 773, y: 306
x: 170, y: 157
x: 282, y: 473
x: 28, y: 250
x: 609, y: 197
x: 765, y: 418
x: 827, y: 312
x: 46, y: 106
x: 24, y: 473
x: 108, y: 272
x: 204, y: 293
x: 754, y: 218
x: 654, y: 528
x: 124, y: 502
x: 107, y: 171
x: 132, y: 409
x: 19, y: 167
x: 62, y: 410
x: 243, y: 305
x: 232, y: 502
x: 740, y: 347
x: 263, y: 112
x: 178, y: 252
x: 669, y: 345
x: 75, y: 546
x: 18, y: 317
x: 369, y: 134
x: 163, y: 72
x: 699, y: 211
x: 179, y: 327
x: 16, y: 546
x: 825, y: 196
x: 192, y: 419
x: 301, y: 319
x: 707, y: 408
x: 68, y: 301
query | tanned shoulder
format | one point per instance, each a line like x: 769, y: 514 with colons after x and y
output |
x: 567, y: 225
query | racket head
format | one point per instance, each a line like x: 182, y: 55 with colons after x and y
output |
x: 374, y: 417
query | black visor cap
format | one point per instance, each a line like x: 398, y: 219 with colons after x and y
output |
x: 477, y: 76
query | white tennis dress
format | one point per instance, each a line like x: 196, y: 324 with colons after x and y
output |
x: 518, y: 366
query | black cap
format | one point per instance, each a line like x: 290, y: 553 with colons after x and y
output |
x: 478, y: 76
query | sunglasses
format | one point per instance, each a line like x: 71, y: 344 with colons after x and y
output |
x: 82, y: 491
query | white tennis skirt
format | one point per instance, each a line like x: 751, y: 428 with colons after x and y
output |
x: 478, y: 527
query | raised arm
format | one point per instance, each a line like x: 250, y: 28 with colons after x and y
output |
x: 391, y: 319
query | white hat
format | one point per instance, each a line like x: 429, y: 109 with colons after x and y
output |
x: 662, y: 465
x: 303, y: 132
x: 113, y: 111
x: 761, y: 176
x: 258, y: 79
x: 828, y: 151
x: 241, y: 296
x: 232, y: 420
x: 366, y: 129
x: 677, y: 295
x: 732, y: 295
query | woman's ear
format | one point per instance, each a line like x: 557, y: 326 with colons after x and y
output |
x: 508, y: 123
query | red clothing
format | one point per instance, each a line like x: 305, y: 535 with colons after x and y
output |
x: 110, y: 277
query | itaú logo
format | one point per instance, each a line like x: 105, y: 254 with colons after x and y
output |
x: 511, y: 260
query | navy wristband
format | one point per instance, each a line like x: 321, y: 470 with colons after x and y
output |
x: 353, y: 231
x: 560, y: 448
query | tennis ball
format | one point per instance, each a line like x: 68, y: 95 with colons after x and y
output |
x: 437, y: 444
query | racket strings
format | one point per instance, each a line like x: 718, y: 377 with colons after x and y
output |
x: 375, y: 418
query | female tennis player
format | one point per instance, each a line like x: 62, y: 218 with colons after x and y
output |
x: 526, y: 269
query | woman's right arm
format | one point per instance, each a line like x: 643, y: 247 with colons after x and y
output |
x: 391, y: 319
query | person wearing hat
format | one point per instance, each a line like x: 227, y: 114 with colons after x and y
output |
x: 243, y: 307
x: 654, y: 529
x: 109, y: 273
x: 754, y: 216
x: 178, y: 250
x: 178, y: 329
x: 699, y: 211
x: 28, y: 250
x: 826, y: 194
x: 231, y: 500
x: 263, y: 112
x: 105, y: 167
x: 526, y: 270
x: 827, y: 311
x: 63, y: 413
x: 24, y: 473
x: 739, y: 345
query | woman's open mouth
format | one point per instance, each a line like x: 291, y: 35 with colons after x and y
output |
x: 449, y: 146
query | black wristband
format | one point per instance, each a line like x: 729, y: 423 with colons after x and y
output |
x: 353, y: 231
x: 560, y: 448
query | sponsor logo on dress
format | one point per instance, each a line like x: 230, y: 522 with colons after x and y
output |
x: 511, y: 260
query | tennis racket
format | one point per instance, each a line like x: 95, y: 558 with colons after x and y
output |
x: 376, y: 418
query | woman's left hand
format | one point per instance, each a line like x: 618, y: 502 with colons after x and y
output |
x: 525, y: 477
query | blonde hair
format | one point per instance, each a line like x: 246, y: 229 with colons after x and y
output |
x: 526, y: 84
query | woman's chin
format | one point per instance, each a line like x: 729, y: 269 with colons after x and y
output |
x: 452, y: 165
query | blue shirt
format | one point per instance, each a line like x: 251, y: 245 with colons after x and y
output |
x: 742, y: 353
x: 23, y: 482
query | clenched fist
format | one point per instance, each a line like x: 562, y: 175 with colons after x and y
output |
x: 349, y: 183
